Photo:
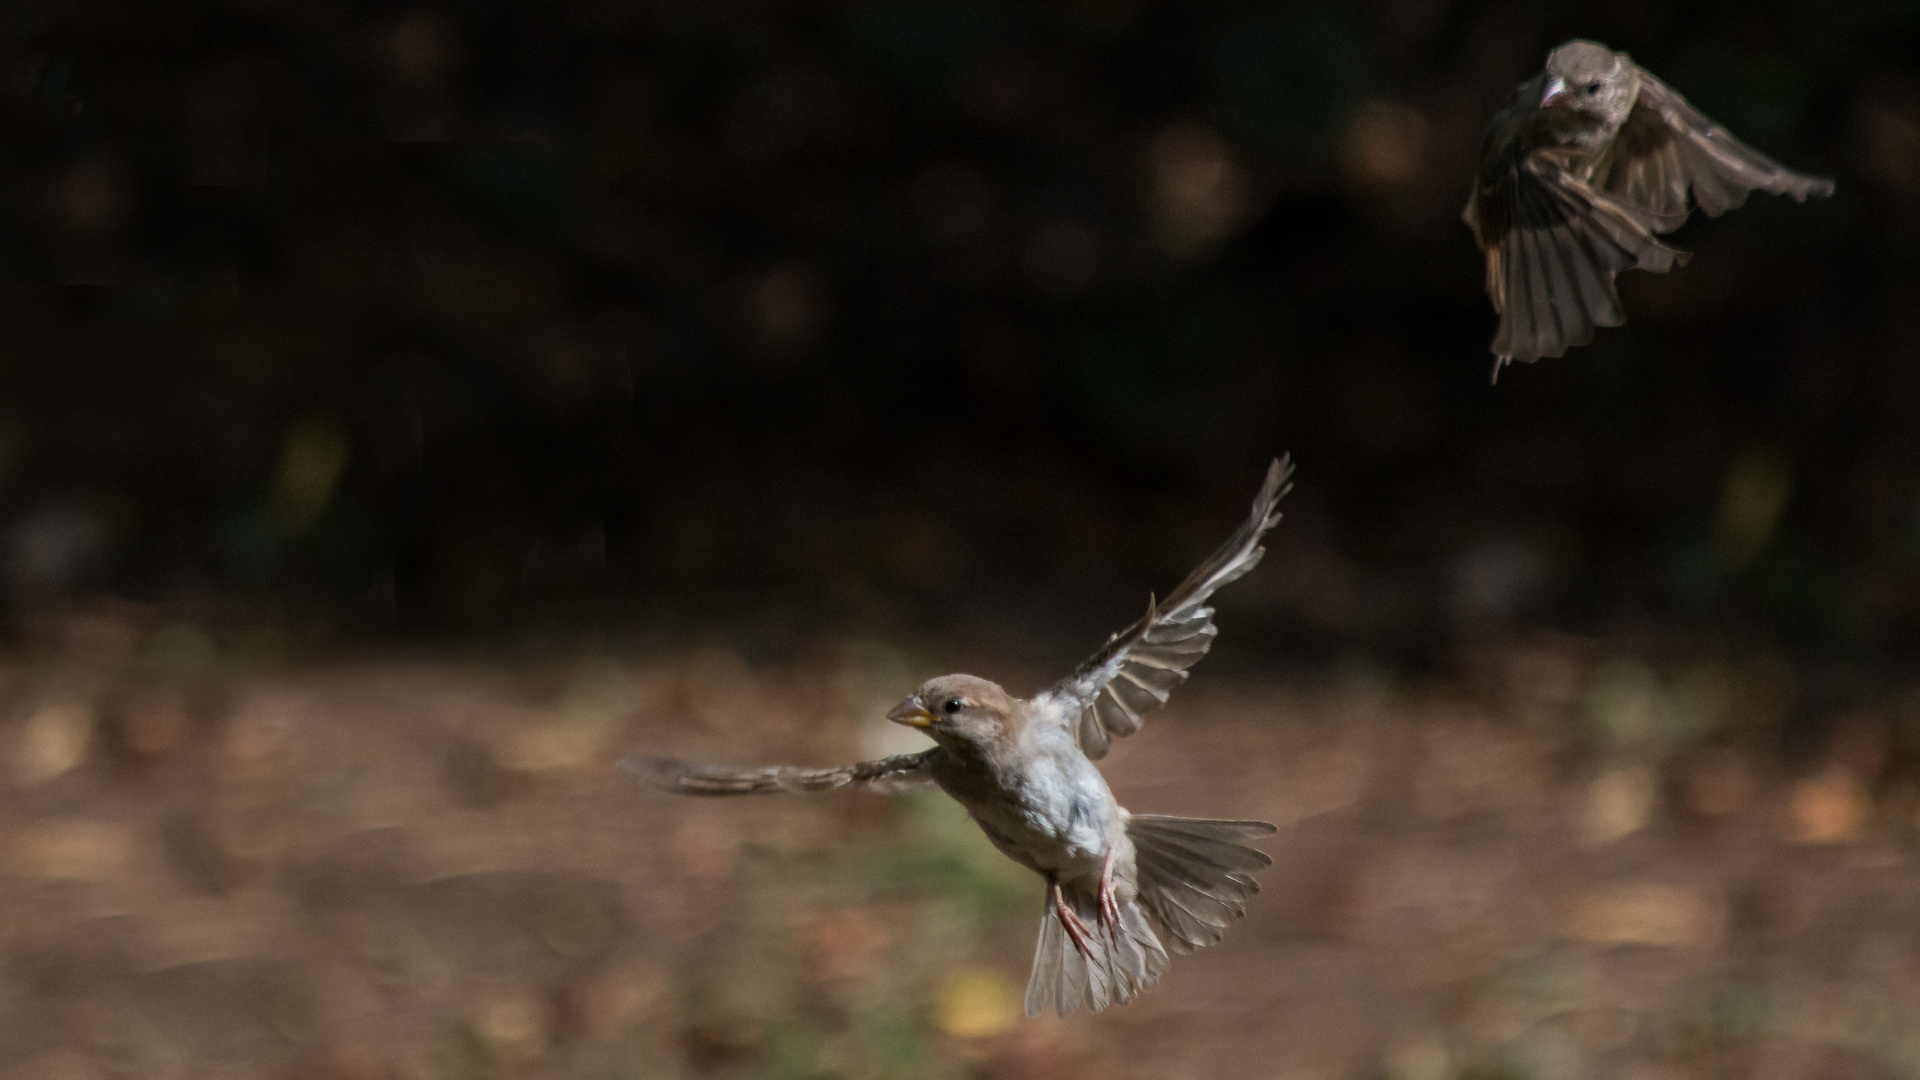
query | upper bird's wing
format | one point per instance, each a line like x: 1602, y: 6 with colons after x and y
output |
x: 902, y: 772
x: 1667, y: 149
x: 1553, y: 246
x: 1109, y: 693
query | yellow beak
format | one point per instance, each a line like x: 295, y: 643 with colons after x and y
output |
x: 911, y: 713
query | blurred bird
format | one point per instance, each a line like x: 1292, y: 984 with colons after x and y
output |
x: 1024, y: 770
x: 1586, y: 162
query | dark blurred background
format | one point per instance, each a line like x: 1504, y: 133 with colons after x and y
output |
x: 406, y: 408
x: 466, y: 309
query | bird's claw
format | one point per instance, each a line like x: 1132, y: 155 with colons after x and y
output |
x: 1109, y: 907
x: 1077, y: 931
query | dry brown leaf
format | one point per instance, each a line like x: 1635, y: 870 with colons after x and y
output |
x: 1830, y: 807
x: 52, y: 742
x: 1619, y: 803
x: 1647, y: 913
x: 70, y: 849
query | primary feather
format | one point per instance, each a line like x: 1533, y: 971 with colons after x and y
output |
x: 901, y: 772
x: 1136, y: 671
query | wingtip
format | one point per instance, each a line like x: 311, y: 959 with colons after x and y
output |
x: 1279, y: 479
x: 640, y: 767
x: 653, y: 771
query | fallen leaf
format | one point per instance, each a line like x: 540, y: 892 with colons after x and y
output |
x: 72, y: 850
x: 154, y: 723
x: 514, y: 1026
x: 1619, y: 803
x: 52, y: 742
x: 606, y: 1004
x: 1718, y: 784
x: 1830, y: 807
x: 845, y: 943
x: 977, y: 1004
x: 1647, y: 913
x: 546, y: 745
x: 706, y: 848
x: 204, y: 931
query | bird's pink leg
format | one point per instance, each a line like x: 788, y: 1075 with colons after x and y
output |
x: 1070, y: 922
x: 1109, y: 907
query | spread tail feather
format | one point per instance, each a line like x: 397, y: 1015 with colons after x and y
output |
x: 1125, y: 960
x: 1195, y: 875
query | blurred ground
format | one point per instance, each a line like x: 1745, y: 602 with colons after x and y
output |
x: 309, y: 303
x: 1568, y: 861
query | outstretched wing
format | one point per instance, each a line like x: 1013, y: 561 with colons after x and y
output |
x: 902, y: 772
x: 1132, y: 676
x: 1667, y: 149
x: 1553, y: 247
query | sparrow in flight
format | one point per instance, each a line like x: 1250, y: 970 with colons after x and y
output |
x: 1587, y: 162
x: 1118, y: 883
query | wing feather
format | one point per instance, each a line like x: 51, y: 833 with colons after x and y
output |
x: 1670, y: 157
x: 1140, y: 666
x: 901, y: 772
x: 1551, y: 265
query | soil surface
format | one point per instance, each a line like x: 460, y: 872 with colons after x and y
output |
x: 431, y: 868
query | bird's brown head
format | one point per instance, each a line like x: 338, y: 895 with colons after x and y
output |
x: 961, y: 710
x: 1591, y: 79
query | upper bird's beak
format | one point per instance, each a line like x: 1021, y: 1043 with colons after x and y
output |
x: 911, y: 713
x: 1556, y: 92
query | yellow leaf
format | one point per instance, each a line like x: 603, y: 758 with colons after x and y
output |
x: 976, y: 1004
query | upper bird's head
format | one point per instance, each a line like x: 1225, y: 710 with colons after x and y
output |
x: 960, y: 710
x: 1591, y: 79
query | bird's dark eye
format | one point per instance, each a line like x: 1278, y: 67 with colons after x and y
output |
x: 950, y: 706
x: 1593, y: 88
